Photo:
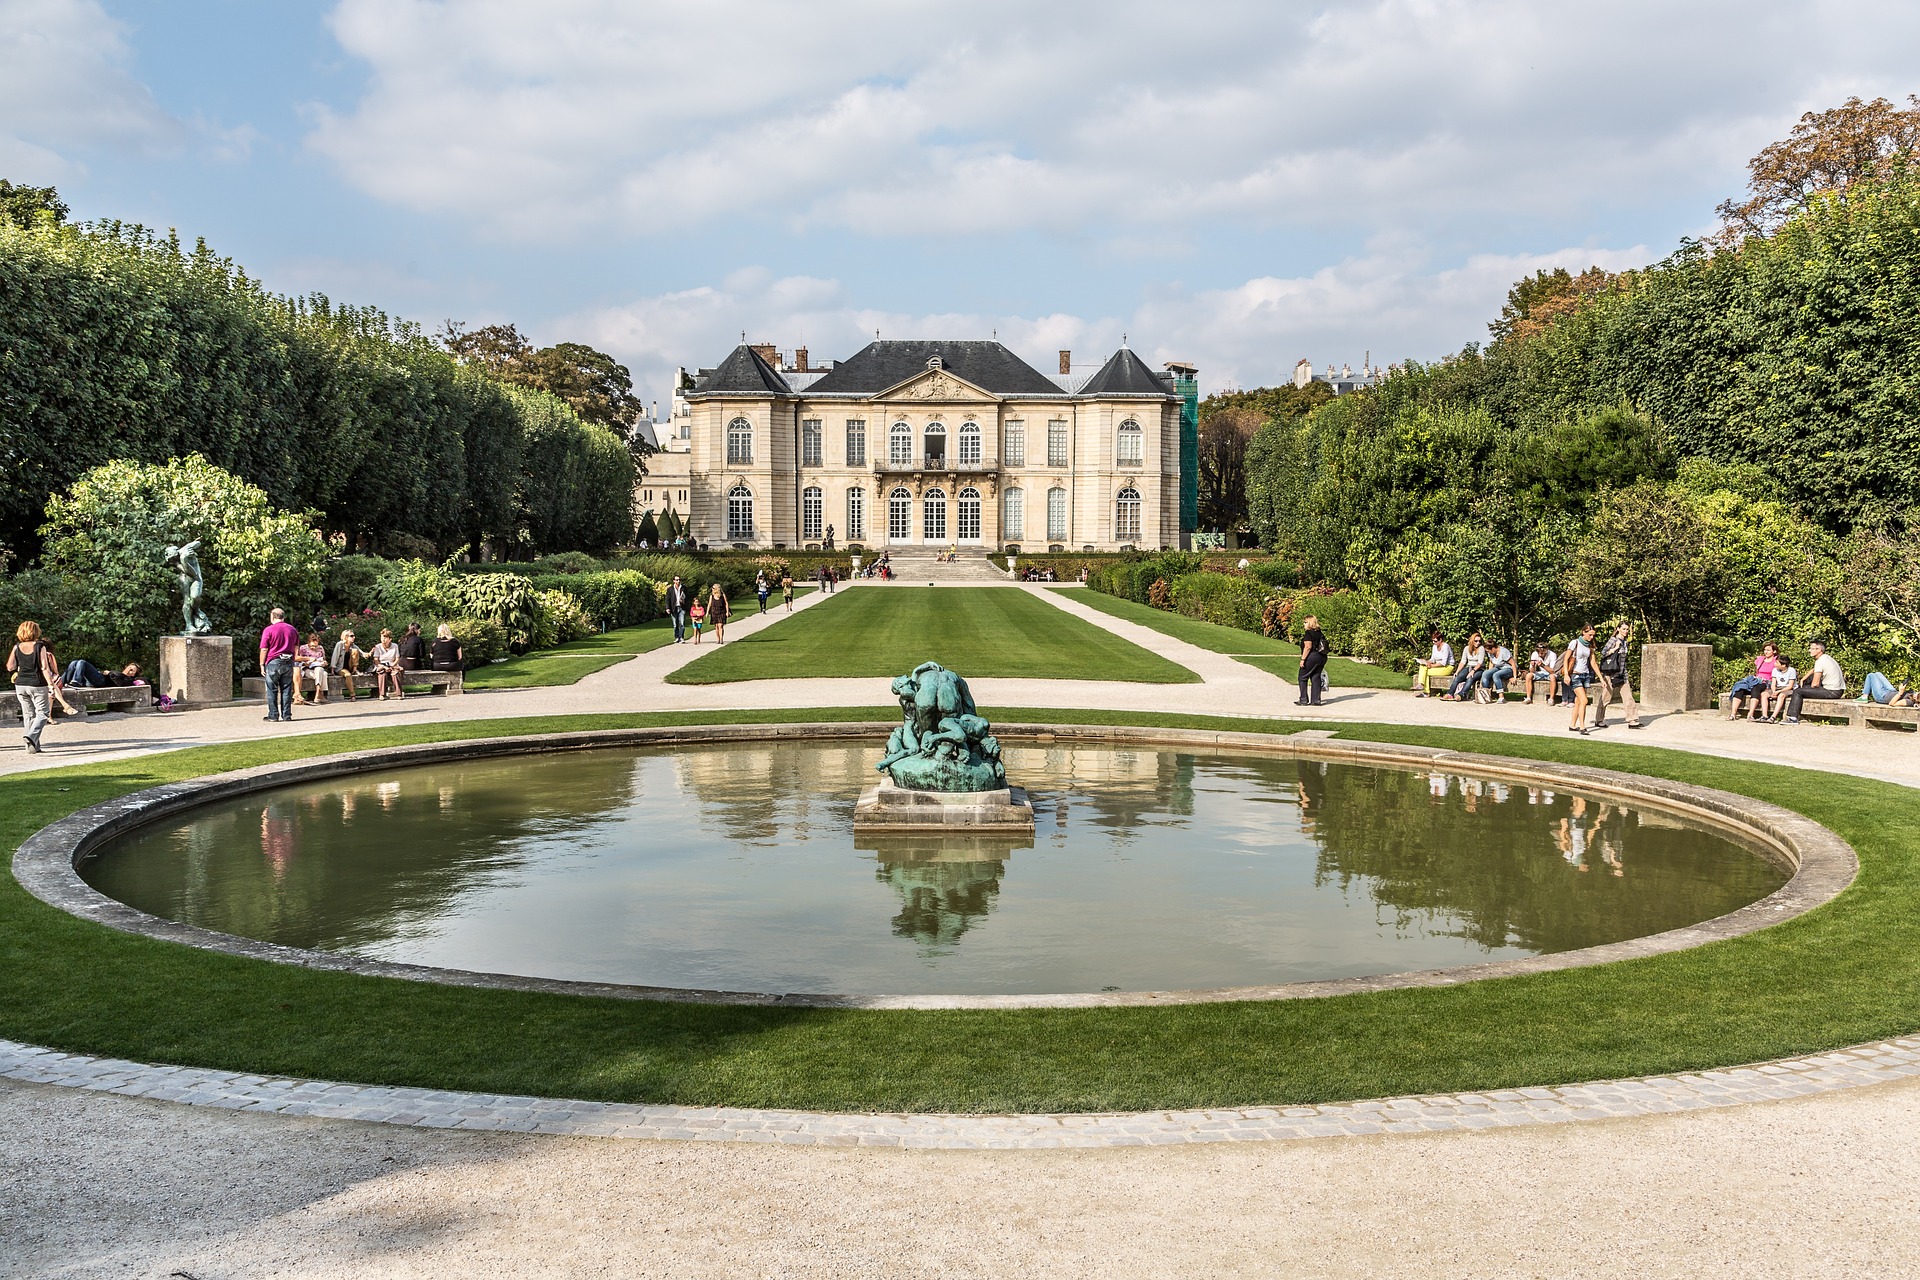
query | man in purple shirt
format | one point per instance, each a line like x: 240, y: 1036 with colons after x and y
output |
x: 277, y: 644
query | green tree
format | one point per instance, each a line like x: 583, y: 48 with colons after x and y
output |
x: 1647, y: 556
x: 109, y: 533
x: 1224, y: 439
x: 31, y: 206
x: 1827, y: 151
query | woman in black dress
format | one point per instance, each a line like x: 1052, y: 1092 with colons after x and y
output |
x: 717, y: 613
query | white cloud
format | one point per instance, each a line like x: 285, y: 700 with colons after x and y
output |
x: 64, y: 86
x: 912, y: 119
x: 1391, y: 301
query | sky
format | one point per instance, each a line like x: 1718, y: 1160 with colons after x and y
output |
x: 1238, y: 185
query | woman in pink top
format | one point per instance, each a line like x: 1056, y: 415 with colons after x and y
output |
x: 1749, y: 688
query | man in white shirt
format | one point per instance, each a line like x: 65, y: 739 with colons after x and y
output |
x: 1544, y: 664
x: 1825, y: 682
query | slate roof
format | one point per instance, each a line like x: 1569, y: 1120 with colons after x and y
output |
x: 1126, y: 374
x: 987, y: 365
x: 743, y: 372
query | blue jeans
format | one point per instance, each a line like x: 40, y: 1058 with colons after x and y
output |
x: 1877, y: 688
x: 1496, y: 678
x: 679, y: 624
x: 279, y: 674
x: 1464, y: 678
x: 82, y: 674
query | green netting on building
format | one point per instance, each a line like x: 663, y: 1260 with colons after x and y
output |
x: 1188, y: 384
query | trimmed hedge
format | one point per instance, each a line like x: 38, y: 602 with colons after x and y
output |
x: 1219, y: 598
x: 616, y: 598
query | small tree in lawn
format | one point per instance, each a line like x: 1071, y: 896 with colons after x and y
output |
x: 108, y: 536
x: 1502, y: 571
x: 1646, y: 555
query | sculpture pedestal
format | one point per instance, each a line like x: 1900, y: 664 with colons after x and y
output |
x: 1676, y: 677
x: 891, y: 807
x: 196, y: 670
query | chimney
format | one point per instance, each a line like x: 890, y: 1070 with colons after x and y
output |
x: 768, y: 352
x: 799, y: 359
x: 1066, y: 362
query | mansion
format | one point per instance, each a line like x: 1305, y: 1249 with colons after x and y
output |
x: 927, y: 443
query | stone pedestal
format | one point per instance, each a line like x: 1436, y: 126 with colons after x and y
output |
x: 891, y: 807
x: 1676, y: 677
x: 197, y: 670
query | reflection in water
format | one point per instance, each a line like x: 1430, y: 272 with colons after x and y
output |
x: 735, y: 867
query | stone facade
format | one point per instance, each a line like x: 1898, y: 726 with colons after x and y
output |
x: 933, y: 444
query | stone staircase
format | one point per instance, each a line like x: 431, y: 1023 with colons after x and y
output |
x: 915, y: 568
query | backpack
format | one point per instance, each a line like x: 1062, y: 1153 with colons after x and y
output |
x: 1613, y: 662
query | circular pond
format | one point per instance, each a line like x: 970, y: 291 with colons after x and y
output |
x: 734, y: 866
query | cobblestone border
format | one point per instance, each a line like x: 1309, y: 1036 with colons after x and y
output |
x: 1870, y: 1064
x: 1822, y: 863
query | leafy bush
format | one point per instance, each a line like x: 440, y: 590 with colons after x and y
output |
x: 503, y: 598
x: 1160, y: 595
x: 568, y: 562
x: 1341, y: 614
x: 1276, y: 572
x: 560, y: 618
x: 418, y: 590
x: 353, y: 582
x: 1219, y: 598
x: 481, y: 641
x: 617, y: 598
x: 108, y: 536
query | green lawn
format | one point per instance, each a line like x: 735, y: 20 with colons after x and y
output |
x: 570, y: 662
x: 1275, y: 657
x: 977, y: 631
x: 1845, y: 973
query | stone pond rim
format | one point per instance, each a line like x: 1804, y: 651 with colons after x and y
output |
x: 1822, y: 864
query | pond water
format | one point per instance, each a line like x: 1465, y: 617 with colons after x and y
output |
x: 735, y: 867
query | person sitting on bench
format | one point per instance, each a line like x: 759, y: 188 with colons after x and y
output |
x: 1826, y: 682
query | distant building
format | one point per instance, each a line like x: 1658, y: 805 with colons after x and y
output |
x: 928, y: 443
x: 667, y: 486
x: 1343, y: 379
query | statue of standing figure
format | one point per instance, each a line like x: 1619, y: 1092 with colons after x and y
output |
x: 942, y: 743
x: 192, y: 587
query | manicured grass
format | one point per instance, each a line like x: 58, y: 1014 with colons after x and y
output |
x: 1275, y: 657
x: 568, y: 663
x: 977, y: 631
x: 1845, y: 973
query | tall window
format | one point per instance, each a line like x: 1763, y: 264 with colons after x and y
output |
x: 810, y: 443
x: 739, y: 442
x: 739, y: 512
x: 969, y: 519
x: 936, y: 447
x: 1013, y: 516
x: 856, y: 515
x: 1128, y: 449
x: 969, y: 444
x: 812, y: 514
x: 856, y: 443
x: 900, y: 445
x: 934, y: 507
x: 899, y: 516
x: 1126, y: 516
x: 1014, y: 454
x: 1057, y: 443
x: 1056, y: 515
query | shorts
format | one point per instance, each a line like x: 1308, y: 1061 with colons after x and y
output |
x: 1583, y: 682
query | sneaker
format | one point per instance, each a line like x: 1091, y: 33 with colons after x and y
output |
x: 1793, y: 720
x: 33, y: 748
x: 270, y: 719
x: 1633, y: 724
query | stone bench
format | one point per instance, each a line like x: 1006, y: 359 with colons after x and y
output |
x: 1860, y: 715
x: 133, y: 699
x: 441, y: 682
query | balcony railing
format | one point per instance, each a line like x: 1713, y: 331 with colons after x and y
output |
x: 941, y: 465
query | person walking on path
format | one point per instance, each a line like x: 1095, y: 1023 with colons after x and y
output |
x: 717, y: 613
x: 277, y: 644
x: 762, y: 589
x: 786, y: 590
x: 1313, y: 660
x: 34, y: 674
x: 679, y: 603
x: 1580, y: 676
x: 1824, y: 683
x: 1613, y: 678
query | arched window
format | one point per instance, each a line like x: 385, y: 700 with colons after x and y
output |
x: 739, y: 442
x: 900, y: 445
x: 933, y: 526
x: 739, y: 512
x: 969, y: 517
x: 1056, y: 514
x: 1129, y: 449
x: 899, y: 515
x: 1013, y: 514
x: 936, y: 451
x: 812, y: 514
x: 1126, y: 516
x: 969, y: 444
x: 856, y: 515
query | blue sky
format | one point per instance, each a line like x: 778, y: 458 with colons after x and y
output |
x: 1238, y: 184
